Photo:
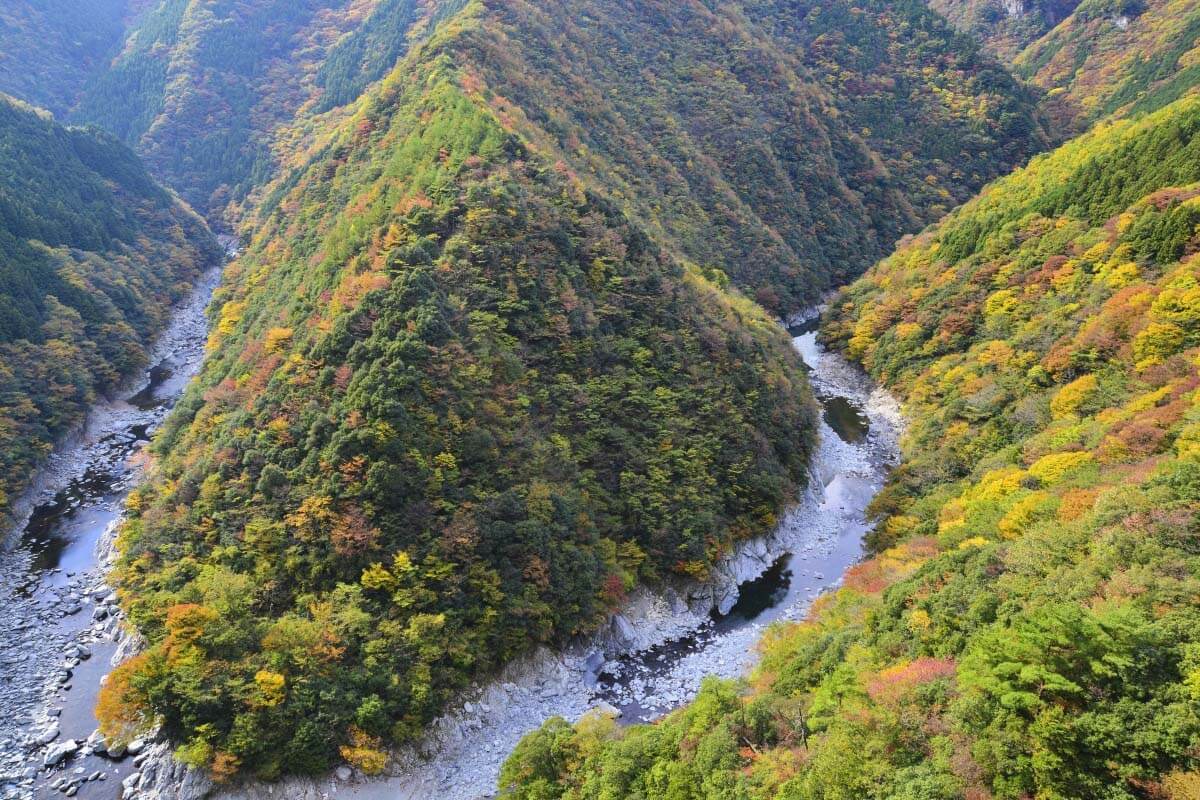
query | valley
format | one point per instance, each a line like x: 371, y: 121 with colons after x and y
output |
x: 62, y: 622
x: 650, y: 658
x: 484, y: 467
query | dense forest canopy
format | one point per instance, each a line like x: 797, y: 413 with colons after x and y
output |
x: 778, y: 152
x: 1028, y: 626
x: 49, y: 49
x: 457, y: 404
x: 92, y: 255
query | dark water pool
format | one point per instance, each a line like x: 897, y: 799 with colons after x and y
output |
x: 847, y: 420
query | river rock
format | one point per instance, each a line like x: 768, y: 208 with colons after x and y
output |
x: 344, y: 774
x: 60, y: 751
x: 47, y: 736
x: 608, y: 709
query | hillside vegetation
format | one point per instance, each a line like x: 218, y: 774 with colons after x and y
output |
x: 200, y: 88
x: 92, y: 255
x: 1116, y: 57
x: 767, y: 139
x: 456, y: 405
x: 1006, y: 27
x: 49, y: 49
x: 1028, y: 625
x: 773, y: 140
x: 1092, y: 59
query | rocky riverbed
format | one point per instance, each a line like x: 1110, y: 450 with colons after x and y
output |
x: 652, y: 657
x: 61, y: 622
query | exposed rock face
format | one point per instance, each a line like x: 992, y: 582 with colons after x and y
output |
x: 163, y: 778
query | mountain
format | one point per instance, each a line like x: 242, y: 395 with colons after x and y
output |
x: 1092, y: 59
x: 457, y: 404
x: 50, y: 48
x: 1027, y: 626
x: 1115, y: 57
x: 198, y: 88
x: 1006, y: 27
x: 768, y: 139
x: 94, y: 254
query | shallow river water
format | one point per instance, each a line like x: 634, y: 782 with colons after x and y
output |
x: 60, y: 627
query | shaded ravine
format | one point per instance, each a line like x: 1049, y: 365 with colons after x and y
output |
x: 60, y: 625
x: 653, y: 657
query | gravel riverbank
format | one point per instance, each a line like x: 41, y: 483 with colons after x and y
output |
x: 61, y: 622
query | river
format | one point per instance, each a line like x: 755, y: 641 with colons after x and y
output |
x: 61, y: 630
x: 60, y: 625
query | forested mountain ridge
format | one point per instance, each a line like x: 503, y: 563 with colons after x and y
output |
x: 1091, y: 59
x: 456, y: 404
x: 50, y: 49
x: 94, y: 253
x: 769, y: 139
x: 770, y: 149
x: 1028, y: 626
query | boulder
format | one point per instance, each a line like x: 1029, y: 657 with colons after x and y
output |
x: 47, y: 736
x: 60, y: 751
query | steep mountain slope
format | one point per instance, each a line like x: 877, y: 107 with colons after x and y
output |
x: 1006, y: 27
x: 1116, y: 57
x: 1029, y: 627
x: 1093, y: 59
x: 766, y: 138
x: 200, y: 87
x: 457, y: 405
x: 50, y: 48
x: 773, y: 140
x: 92, y: 254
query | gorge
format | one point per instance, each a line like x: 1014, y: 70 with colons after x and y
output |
x: 490, y: 419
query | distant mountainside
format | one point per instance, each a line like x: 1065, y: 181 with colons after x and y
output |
x: 1028, y: 626
x: 1094, y: 58
x: 1116, y: 57
x: 49, y: 49
x: 93, y: 254
x: 773, y: 140
x: 1006, y: 27
x: 199, y: 88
